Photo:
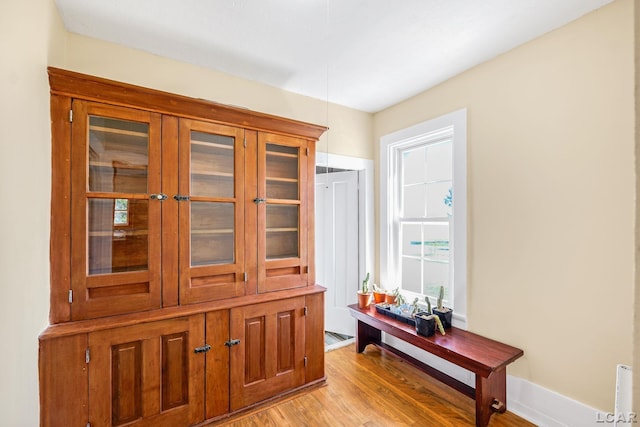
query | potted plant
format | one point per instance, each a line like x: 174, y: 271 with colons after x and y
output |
x: 415, y: 308
x: 364, y: 294
x: 396, y: 307
x: 427, y: 322
x: 378, y: 294
x: 389, y: 297
x: 444, y: 313
x: 402, y: 310
x: 394, y: 297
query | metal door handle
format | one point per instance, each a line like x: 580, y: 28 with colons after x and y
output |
x: 202, y: 349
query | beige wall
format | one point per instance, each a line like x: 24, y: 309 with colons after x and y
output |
x: 551, y: 199
x: 25, y: 158
x: 350, y: 130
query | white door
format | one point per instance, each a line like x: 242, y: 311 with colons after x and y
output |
x: 336, y: 238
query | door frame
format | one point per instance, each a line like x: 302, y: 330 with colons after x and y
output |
x: 366, y: 242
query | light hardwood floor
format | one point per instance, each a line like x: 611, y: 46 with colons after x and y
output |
x: 373, y: 389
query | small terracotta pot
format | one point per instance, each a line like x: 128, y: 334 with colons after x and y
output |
x: 379, y: 296
x: 364, y: 300
x: 390, y: 299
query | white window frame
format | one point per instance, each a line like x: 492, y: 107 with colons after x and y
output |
x: 455, y: 123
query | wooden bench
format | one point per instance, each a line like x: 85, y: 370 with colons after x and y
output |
x: 486, y: 358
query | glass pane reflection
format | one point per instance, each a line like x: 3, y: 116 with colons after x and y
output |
x: 212, y: 233
x: 114, y: 247
x: 118, y: 155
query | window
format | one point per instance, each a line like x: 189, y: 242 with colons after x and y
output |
x: 423, y: 210
x: 121, y: 212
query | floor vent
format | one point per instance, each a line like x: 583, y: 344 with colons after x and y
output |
x: 624, y: 387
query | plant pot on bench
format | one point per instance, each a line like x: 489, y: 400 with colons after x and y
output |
x: 426, y: 324
x: 364, y: 294
x: 444, y: 313
x: 364, y: 299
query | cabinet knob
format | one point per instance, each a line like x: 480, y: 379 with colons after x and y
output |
x: 259, y: 200
x: 160, y: 197
x: 232, y: 342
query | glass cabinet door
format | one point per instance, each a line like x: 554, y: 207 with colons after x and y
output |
x: 115, y: 221
x: 211, y: 211
x: 282, y: 212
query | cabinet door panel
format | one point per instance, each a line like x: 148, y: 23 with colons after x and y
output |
x: 255, y: 359
x: 126, y: 382
x: 148, y: 374
x: 283, y: 217
x: 211, y: 221
x: 314, y: 337
x: 270, y: 356
x: 217, y: 359
x: 115, y: 239
x: 64, y: 389
x: 175, y: 373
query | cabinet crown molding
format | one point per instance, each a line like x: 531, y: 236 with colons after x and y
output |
x: 78, y: 85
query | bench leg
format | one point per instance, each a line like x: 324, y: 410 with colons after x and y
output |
x: 491, y: 396
x: 366, y: 334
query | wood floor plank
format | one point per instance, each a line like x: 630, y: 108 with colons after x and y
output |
x: 372, y: 389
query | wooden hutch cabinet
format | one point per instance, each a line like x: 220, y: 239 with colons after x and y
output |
x: 182, y: 280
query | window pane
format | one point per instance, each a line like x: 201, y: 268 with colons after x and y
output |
x: 436, y: 241
x: 412, y: 239
x: 120, y: 218
x: 413, y: 166
x: 436, y: 274
x: 436, y: 194
x: 414, y: 201
x: 411, y: 275
x: 439, y: 163
x: 122, y: 204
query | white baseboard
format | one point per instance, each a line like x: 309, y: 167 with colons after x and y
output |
x: 534, y: 403
x: 547, y: 408
x: 339, y: 344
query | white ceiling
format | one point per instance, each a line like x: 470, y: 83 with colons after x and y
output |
x: 364, y: 54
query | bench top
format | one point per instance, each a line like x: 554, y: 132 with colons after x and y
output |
x: 471, y: 351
